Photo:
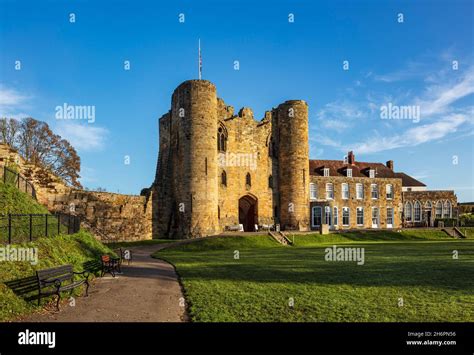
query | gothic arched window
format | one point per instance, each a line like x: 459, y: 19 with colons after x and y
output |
x: 408, y: 212
x: 248, y: 180
x: 417, y: 211
x: 447, y: 211
x: 221, y: 139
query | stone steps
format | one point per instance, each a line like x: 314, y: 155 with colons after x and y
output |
x: 280, y: 237
x: 454, y: 232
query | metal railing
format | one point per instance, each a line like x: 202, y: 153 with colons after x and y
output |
x: 11, y: 177
x: 20, y: 228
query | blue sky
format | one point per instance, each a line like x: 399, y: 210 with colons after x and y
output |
x: 405, y: 64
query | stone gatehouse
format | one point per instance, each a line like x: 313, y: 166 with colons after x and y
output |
x: 218, y: 169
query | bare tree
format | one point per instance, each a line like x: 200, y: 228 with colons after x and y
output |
x: 9, y: 129
x: 38, y: 145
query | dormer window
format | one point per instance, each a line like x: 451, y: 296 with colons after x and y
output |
x: 371, y: 173
x: 326, y: 172
x: 349, y: 172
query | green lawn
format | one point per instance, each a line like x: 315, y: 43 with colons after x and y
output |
x: 417, y: 266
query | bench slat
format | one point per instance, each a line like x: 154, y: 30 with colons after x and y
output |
x: 61, y: 270
x: 47, y: 282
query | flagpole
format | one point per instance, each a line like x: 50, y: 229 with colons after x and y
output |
x: 200, y: 60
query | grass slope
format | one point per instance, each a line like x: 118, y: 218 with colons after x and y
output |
x: 14, y: 201
x: 52, y: 251
x: 414, y: 265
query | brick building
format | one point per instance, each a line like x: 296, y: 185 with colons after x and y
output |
x: 360, y: 195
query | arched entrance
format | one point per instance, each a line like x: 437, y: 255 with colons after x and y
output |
x: 248, y: 212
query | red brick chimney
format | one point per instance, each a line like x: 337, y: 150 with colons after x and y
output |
x: 350, y: 158
x: 390, y: 164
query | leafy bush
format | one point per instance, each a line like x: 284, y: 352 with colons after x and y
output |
x: 448, y: 222
x: 466, y: 220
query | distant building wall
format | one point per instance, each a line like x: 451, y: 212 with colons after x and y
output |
x: 432, y: 204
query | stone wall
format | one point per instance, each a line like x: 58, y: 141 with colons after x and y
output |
x: 247, y: 153
x: 467, y: 207
x: 111, y: 217
x: 114, y: 217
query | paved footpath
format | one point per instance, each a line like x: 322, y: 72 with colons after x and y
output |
x: 147, y: 291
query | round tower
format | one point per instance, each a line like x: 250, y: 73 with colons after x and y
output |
x: 194, y: 116
x: 293, y: 164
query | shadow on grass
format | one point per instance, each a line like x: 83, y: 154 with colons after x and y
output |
x: 429, y: 264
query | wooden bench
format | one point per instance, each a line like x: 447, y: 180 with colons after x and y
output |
x: 55, y: 280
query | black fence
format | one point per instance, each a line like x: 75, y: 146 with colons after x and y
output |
x: 11, y: 177
x: 20, y: 228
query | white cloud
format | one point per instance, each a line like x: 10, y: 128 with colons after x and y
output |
x: 339, y: 115
x: 325, y: 140
x: 412, y: 70
x: 438, y: 98
x: 441, y: 117
x: 11, y: 101
x: 83, y: 137
x: 413, y: 136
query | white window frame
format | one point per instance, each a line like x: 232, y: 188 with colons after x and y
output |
x: 377, y: 225
x: 349, y: 172
x: 447, y: 209
x: 361, y: 197
x: 313, y: 215
x: 344, y: 209
x: 372, y: 191
x: 372, y: 173
x: 345, y: 184
x: 329, y: 192
x: 408, y: 216
x: 335, y: 220
x: 313, y: 191
x: 439, y: 203
x: 390, y: 217
x: 358, y: 209
x: 326, y: 217
x: 389, y: 191
x: 326, y: 172
x: 417, y: 208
